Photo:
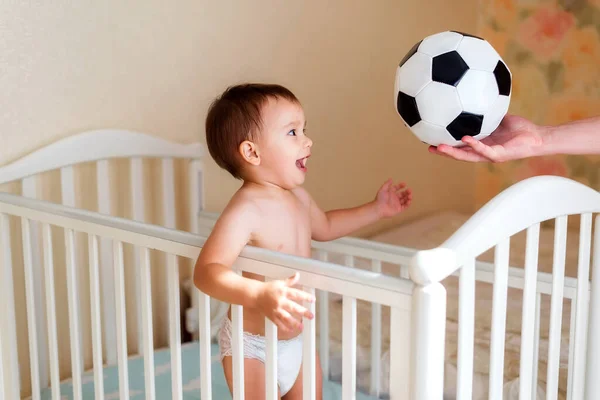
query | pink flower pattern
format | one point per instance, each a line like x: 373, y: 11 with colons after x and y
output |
x: 553, y: 50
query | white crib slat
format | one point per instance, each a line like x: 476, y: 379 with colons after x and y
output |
x: 404, y: 273
x: 121, y: 323
x: 323, y: 316
x: 499, y: 318
x: 466, y: 323
x: 74, y: 326
x: 271, y: 360
x: 51, y: 311
x: 137, y: 212
x: 529, y: 292
x: 174, y: 331
x: 400, y: 350
x: 95, y: 317
x: 571, y: 360
x: 349, y: 348
x: 106, y: 264
x: 238, y: 351
x: 309, y: 352
x: 579, y: 337
x: 168, y: 204
x: 168, y: 193
x: 196, y: 187
x: 536, y: 347
x: 67, y: 188
x: 32, y: 324
x: 3, y: 386
x: 29, y: 189
x: 8, y: 323
x: 205, y: 338
x: 147, y: 337
x: 375, y: 338
x: 558, y: 275
x: 592, y: 376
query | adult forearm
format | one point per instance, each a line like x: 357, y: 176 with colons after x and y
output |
x: 224, y: 284
x: 577, y: 137
x: 343, y: 222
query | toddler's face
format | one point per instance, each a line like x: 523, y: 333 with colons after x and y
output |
x: 284, y: 148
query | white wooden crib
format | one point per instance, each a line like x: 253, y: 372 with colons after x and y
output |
x: 53, y: 346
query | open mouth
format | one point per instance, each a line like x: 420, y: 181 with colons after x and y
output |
x: 301, y: 164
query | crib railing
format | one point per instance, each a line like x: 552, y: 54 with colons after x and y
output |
x: 524, y: 206
x: 102, y: 147
x: 355, y: 253
x: 351, y: 284
x: 371, y: 255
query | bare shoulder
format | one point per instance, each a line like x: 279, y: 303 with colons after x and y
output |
x: 243, y: 206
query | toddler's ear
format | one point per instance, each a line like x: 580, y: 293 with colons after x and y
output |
x: 249, y: 152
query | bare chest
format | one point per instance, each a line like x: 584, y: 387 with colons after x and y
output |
x: 285, y: 227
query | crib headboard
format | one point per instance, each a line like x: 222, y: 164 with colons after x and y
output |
x: 99, y: 149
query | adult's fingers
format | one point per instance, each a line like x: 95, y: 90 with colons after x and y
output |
x: 461, y: 154
x: 482, y: 149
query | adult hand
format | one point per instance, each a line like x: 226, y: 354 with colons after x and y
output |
x: 515, y: 138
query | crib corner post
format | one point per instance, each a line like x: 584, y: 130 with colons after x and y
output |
x: 428, y: 341
x: 428, y: 331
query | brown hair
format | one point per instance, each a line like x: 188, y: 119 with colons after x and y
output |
x: 235, y: 116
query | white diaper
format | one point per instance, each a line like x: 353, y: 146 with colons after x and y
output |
x: 289, y: 353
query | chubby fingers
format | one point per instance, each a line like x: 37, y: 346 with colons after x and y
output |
x: 300, y: 296
x: 297, y: 309
x: 285, y: 321
x: 297, y: 294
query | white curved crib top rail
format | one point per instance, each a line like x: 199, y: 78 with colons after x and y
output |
x: 96, y: 145
x: 517, y: 208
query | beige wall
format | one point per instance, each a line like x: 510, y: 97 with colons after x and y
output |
x: 70, y: 66
x: 154, y: 67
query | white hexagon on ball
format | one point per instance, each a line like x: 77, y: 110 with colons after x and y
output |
x: 438, y: 103
x: 433, y: 134
x: 414, y: 74
x: 478, y: 91
x: 478, y: 54
x: 440, y: 43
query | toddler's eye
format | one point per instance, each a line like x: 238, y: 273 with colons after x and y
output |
x: 292, y: 132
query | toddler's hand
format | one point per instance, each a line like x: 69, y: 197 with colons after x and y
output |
x: 280, y: 302
x: 392, y: 199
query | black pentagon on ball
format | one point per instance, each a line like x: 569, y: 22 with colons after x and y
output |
x: 466, y: 124
x: 448, y: 68
x: 407, y: 108
x: 503, y: 78
x: 467, y: 34
x: 410, y: 53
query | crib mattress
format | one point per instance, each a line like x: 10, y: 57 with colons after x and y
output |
x: 190, y: 361
x: 428, y: 233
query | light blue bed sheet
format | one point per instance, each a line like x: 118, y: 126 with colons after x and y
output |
x: 190, y: 361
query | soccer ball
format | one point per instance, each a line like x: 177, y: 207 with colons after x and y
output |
x: 450, y: 85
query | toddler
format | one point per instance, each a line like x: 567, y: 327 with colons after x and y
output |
x: 257, y: 132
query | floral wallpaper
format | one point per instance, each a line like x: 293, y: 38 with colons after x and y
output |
x: 553, y: 50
